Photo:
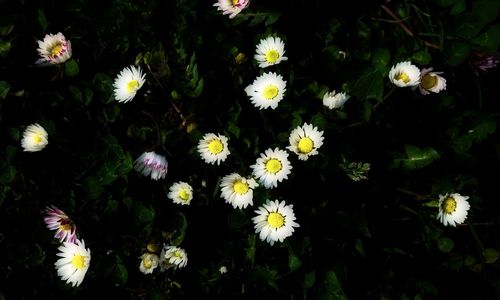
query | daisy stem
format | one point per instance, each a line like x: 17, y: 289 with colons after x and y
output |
x: 474, y: 234
x: 176, y: 108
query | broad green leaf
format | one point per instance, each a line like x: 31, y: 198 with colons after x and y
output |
x: 457, y: 53
x: 4, y: 48
x: 490, y: 255
x: 293, y: 262
x: 381, y: 58
x: 370, y: 85
x: 4, y: 89
x: 421, y: 57
x: 144, y: 214
x: 120, y: 273
x: 445, y: 244
x: 180, y: 225
x: 8, y: 174
x: 309, y: 280
x: 233, y: 129
x: 416, y: 158
x: 42, y: 21
x: 458, y: 7
x: 71, y: 68
x: 333, y: 286
x: 489, y: 40
x: 75, y: 93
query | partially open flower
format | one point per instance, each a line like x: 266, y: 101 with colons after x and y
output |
x: 54, y: 49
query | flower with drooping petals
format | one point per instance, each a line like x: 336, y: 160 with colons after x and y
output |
x: 334, y: 100
x: 181, y: 193
x: 35, y: 138
x: 149, y: 262
x: 453, y: 209
x: 231, y: 7
x: 54, y: 49
x: 151, y: 163
x: 267, y: 90
x: 305, y: 141
x: 213, y: 148
x: 272, y: 167
x: 404, y: 74
x: 238, y: 190
x: 431, y: 82
x: 74, y: 262
x: 270, y: 51
x: 56, y: 219
x: 172, y: 256
x: 127, y: 83
x: 275, y: 221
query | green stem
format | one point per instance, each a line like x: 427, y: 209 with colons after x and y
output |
x: 474, y: 234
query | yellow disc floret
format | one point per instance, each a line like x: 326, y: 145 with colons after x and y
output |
x: 270, y: 92
x: 215, y: 147
x: 275, y: 220
x: 305, y: 145
x: 273, y: 165
x: 272, y: 56
x: 78, y: 261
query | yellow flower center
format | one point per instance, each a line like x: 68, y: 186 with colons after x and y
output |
x: 215, y: 147
x: 147, y: 262
x: 132, y: 86
x: 449, y: 205
x: 152, y: 247
x: 37, y: 139
x: 428, y: 81
x: 178, y: 254
x: 270, y: 91
x: 56, y: 50
x: 305, y: 145
x: 275, y: 220
x: 65, y: 227
x: 240, y: 187
x: 273, y: 165
x: 272, y: 56
x: 184, y: 194
x: 78, y: 261
x: 402, y: 76
x: 236, y: 2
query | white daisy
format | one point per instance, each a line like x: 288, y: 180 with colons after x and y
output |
x: 149, y: 262
x: 128, y: 82
x: 231, y: 7
x: 172, y: 256
x: 54, y: 49
x: 181, y: 193
x: 267, y: 90
x: 213, y: 148
x: 223, y: 270
x: 453, y: 209
x: 333, y: 100
x: 404, y: 74
x: 151, y: 163
x: 237, y: 190
x: 270, y: 51
x: 305, y: 141
x: 35, y: 138
x: 275, y: 221
x: 431, y: 82
x: 74, y: 262
x: 272, y: 167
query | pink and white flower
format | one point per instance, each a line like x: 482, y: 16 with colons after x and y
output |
x: 231, y: 7
x: 150, y: 163
x: 57, y: 220
x: 54, y: 49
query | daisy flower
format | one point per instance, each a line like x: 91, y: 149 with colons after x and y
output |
x: 231, y: 7
x: 453, y: 209
x: 172, y: 256
x: 270, y: 51
x: 54, y: 49
x: 151, y: 163
x: 128, y: 82
x: 275, y: 221
x: 35, y: 138
x: 333, y: 100
x: 431, y: 82
x: 267, y: 90
x: 213, y: 148
x: 74, y: 262
x: 272, y: 167
x: 223, y: 270
x: 404, y: 74
x: 56, y: 219
x: 149, y: 262
x: 181, y: 193
x: 237, y: 190
x: 305, y: 141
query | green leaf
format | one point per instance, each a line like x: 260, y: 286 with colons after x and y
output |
x: 490, y: 255
x: 8, y: 174
x: 4, y: 89
x: 457, y: 53
x: 71, y: 68
x: 180, y: 225
x: 333, y: 286
x: 40, y: 16
x: 4, y: 48
x: 421, y: 57
x: 489, y: 40
x: 319, y: 120
x: 458, y: 7
x: 445, y: 244
x: 75, y: 93
x: 381, y: 58
x: 120, y: 273
x: 87, y: 96
x: 293, y: 262
x: 309, y: 279
x: 416, y: 158
x: 370, y: 85
x: 144, y: 214
x: 233, y: 129
x: 250, y: 250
